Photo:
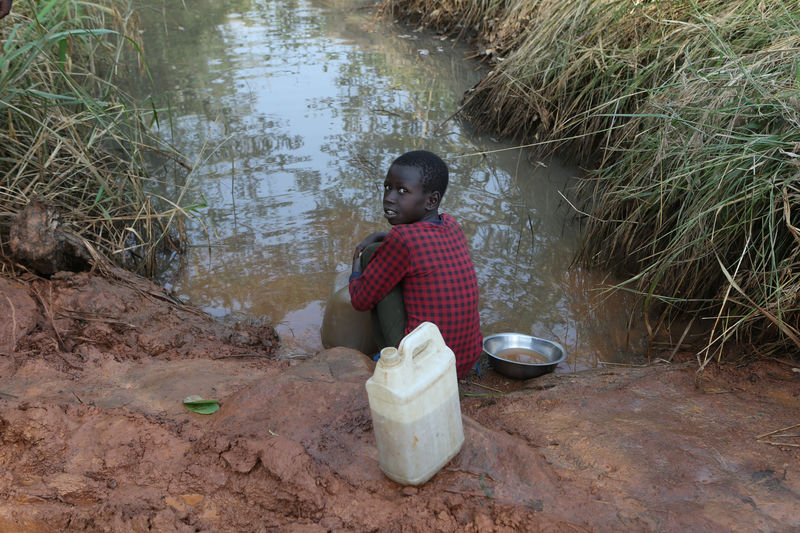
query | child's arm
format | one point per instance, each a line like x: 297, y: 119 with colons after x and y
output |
x: 378, y: 236
x: 387, y: 267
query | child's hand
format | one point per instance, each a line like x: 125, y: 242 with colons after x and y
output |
x: 378, y: 236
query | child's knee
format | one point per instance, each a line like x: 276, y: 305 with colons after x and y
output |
x: 366, y: 254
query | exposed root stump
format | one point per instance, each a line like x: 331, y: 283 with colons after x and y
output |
x: 38, y: 242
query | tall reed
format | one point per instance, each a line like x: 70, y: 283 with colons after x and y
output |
x: 688, y: 112
x: 701, y: 195
x: 70, y: 137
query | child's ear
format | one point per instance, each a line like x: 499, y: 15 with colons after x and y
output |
x: 434, y: 199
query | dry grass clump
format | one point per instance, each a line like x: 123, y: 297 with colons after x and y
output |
x: 688, y: 111
x: 583, y: 66
x: 70, y: 138
x: 560, y: 66
x: 702, y: 199
x: 497, y: 24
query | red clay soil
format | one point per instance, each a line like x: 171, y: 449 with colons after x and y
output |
x: 95, y: 437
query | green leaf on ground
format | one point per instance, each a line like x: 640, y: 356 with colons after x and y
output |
x: 197, y: 404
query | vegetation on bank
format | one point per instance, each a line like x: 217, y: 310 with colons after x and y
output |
x: 72, y: 139
x: 689, y: 115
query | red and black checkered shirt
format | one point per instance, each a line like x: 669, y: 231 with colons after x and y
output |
x: 432, y: 262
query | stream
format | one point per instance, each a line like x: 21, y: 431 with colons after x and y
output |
x: 292, y: 111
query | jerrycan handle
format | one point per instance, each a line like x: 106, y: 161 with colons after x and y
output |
x: 425, y: 338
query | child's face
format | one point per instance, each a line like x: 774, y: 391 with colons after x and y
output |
x: 404, y: 200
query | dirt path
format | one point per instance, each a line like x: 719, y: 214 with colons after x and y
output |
x: 95, y: 437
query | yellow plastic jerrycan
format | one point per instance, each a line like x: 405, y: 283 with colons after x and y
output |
x: 344, y: 326
x: 416, y: 413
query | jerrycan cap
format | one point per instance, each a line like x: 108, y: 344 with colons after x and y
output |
x: 390, y: 357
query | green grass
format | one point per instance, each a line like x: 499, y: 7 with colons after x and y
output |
x: 71, y: 138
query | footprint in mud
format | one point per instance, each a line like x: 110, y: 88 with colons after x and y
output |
x: 767, y: 479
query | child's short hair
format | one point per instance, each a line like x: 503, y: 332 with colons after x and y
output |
x: 433, y: 169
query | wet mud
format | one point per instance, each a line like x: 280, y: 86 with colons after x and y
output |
x: 94, y: 435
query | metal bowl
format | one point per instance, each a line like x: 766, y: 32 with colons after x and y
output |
x: 495, y: 344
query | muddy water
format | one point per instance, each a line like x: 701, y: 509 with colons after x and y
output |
x: 293, y: 110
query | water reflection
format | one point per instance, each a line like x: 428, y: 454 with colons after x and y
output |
x: 294, y: 111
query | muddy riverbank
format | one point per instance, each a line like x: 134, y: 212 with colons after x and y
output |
x: 95, y: 437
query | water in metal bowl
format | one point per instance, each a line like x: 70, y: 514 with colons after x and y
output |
x: 519, y: 356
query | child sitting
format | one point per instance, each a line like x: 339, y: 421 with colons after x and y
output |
x: 421, y: 270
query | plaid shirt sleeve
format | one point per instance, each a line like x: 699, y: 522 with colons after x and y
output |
x: 388, y: 266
